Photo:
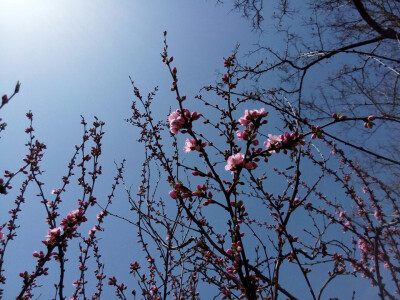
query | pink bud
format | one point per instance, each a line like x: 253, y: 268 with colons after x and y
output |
x: 173, y: 194
x: 4, y: 99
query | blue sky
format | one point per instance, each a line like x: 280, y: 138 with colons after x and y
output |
x: 73, y: 58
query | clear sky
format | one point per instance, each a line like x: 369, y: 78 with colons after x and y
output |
x: 73, y: 58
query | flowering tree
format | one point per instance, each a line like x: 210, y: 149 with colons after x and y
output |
x: 238, y: 196
x: 60, y: 232
x: 234, y: 201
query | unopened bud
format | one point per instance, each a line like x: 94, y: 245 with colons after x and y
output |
x: 17, y: 86
x: 4, y: 99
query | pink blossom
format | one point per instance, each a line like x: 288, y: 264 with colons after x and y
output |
x: 56, y: 191
x: 242, y: 135
x: 273, y: 142
x: 1, y: 234
x: 173, y: 194
x: 52, y: 236
x: 243, y: 120
x: 252, y: 115
x: 189, y: 145
x: 178, y: 120
x: 378, y: 215
x: 192, y: 145
x: 92, y: 231
x: 74, y: 218
x: 234, y: 161
x: 284, y: 141
x: 346, y: 226
x: 364, y: 246
x: 101, y: 215
x: 386, y: 265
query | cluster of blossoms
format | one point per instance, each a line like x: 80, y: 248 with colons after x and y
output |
x: 238, y: 161
x: 181, y: 119
x: 55, y: 191
x: 284, y: 141
x: 201, y: 192
x: 191, y: 144
x: 72, y: 221
x: 251, y: 120
x: 52, y: 236
x: 236, y: 247
x: 179, y: 190
x: 253, y: 116
x: 273, y: 142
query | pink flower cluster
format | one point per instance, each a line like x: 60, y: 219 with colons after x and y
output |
x: 238, y: 160
x: 191, y: 144
x: 292, y: 139
x: 235, y: 161
x: 284, y: 141
x: 242, y: 135
x: 273, y: 142
x: 253, y: 116
x: 72, y: 221
x: 181, y: 119
x: 179, y: 190
x: 236, y: 247
x: 52, y: 236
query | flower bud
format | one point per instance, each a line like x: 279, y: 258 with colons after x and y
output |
x: 17, y: 86
x: 4, y: 99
